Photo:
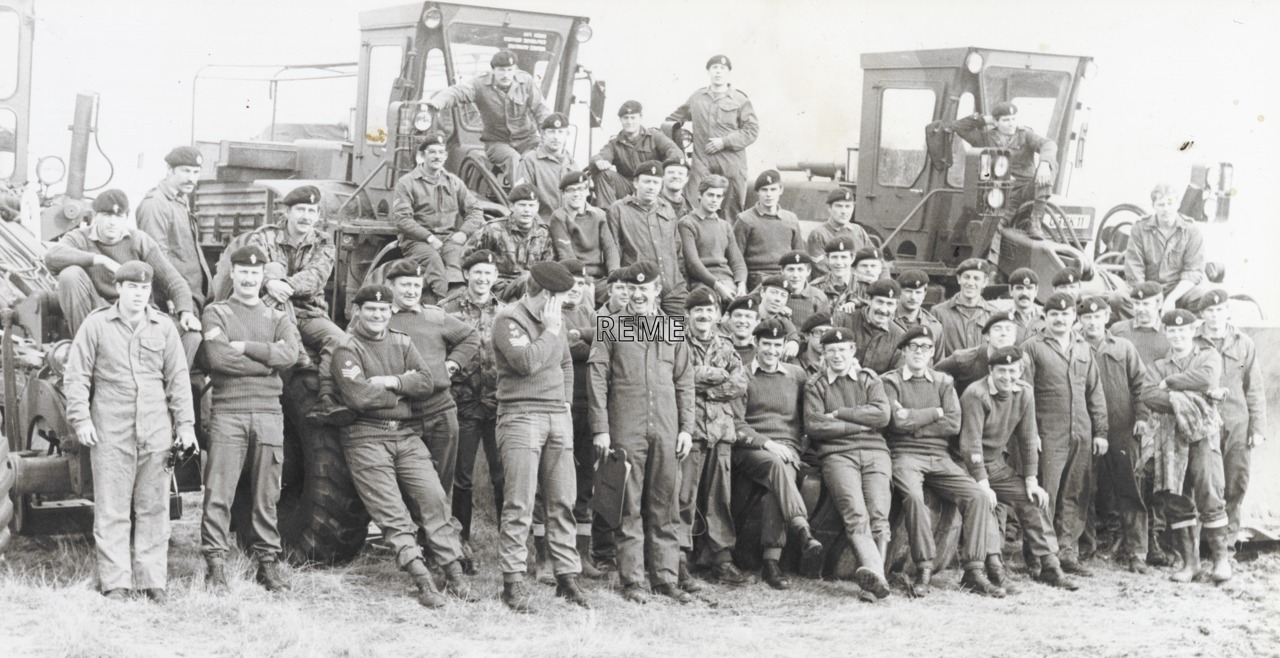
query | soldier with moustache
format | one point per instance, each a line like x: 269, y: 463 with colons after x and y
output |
x: 873, y: 329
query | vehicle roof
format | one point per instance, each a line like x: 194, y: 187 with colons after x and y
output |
x: 943, y: 57
x: 409, y: 14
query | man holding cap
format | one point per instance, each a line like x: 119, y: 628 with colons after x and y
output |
x: 1035, y: 159
x: 1024, y: 288
x: 724, y: 125
x: 434, y: 214
x: 86, y: 259
x: 615, y: 166
x: 544, y: 167
x: 642, y: 401
x: 518, y: 240
x: 872, y: 328
x: 580, y: 231
x: 1167, y: 248
x: 711, y: 254
x: 911, y: 310
x: 165, y: 214
x: 248, y: 346
x: 510, y: 105
x: 646, y: 229
x: 970, y: 364
x: 839, y: 225
x: 765, y: 232
x: 535, y: 432
x: 128, y: 394
x: 963, y: 315
x: 1071, y: 413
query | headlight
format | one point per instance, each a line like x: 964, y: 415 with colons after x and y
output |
x: 973, y: 62
x: 422, y: 122
x: 1090, y: 70
x: 583, y: 33
x: 1227, y: 174
x: 984, y: 167
x: 1001, y: 167
x: 50, y: 169
x: 995, y: 198
x: 432, y: 19
x: 1212, y: 175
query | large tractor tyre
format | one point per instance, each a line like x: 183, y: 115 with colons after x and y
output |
x: 7, y: 477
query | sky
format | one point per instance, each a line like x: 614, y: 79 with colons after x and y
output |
x: 1170, y: 73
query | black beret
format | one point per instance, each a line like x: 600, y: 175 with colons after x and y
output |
x: 642, y: 271
x: 836, y: 335
x: 477, y: 257
x: 111, y: 202
x: 913, y: 280
x: 839, y: 194
x: 721, y: 60
x: 770, y: 328
x: 630, y: 107
x: 308, y: 194
x: 522, y: 192
x: 555, y: 120
x: 971, y: 264
x: 552, y: 276
x: 1146, y: 290
x: 1060, y: 301
x: 918, y: 331
x: 1178, y: 317
x: 573, y: 178
x: 701, y: 296
x: 887, y: 288
x: 838, y: 244
x: 250, y: 254
x: 1024, y: 276
x: 994, y: 318
x: 433, y: 139
x: 1005, y: 356
x: 775, y: 281
x: 184, y: 156
x: 502, y: 58
x: 1213, y: 298
x: 795, y: 258
x: 866, y: 253
x: 404, y: 267
x: 1093, y: 304
x: 135, y: 271
x: 616, y: 275
x: 372, y: 293
x: 649, y: 168
x: 674, y: 162
x: 816, y: 320
x: 767, y: 177
x: 1066, y: 276
x: 1005, y: 109
x: 574, y: 266
x: 745, y: 302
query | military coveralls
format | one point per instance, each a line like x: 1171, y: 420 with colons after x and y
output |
x: 246, y: 427
x: 437, y: 205
x: 1169, y: 261
x: 729, y: 116
x: 642, y: 395
x: 164, y: 215
x: 516, y: 249
x: 535, y: 437
x: 543, y: 170
x: 651, y: 232
x: 961, y: 324
x: 131, y: 384
x: 389, y: 463
x: 626, y: 153
x: 1244, y: 413
x: 1070, y: 411
x: 764, y: 237
x: 511, y: 116
x: 877, y: 347
x: 719, y: 379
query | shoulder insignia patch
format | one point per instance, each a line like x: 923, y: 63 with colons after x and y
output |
x: 350, y: 370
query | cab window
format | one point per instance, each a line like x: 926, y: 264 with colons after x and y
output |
x: 903, y: 115
x: 384, y: 69
x: 472, y: 46
x: 1040, y: 96
x: 955, y: 173
x: 8, y: 142
x: 10, y: 51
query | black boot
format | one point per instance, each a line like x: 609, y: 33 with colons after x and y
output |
x: 773, y: 575
x: 216, y: 577
x: 455, y: 584
x: 810, y: 548
x: 328, y: 411
x: 975, y: 581
x: 516, y: 596
x: 727, y: 573
x: 567, y: 589
x: 997, y: 575
x: 589, y: 569
x: 1220, y: 553
x: 428, y: 595
x: 1052, y: 574
x: 924, y: 580
x: 685, y: 581
x: 269, y: 576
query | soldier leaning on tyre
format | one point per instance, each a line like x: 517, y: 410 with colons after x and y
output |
x: 378, y: 374
x: 247, y: 345
x: 128, y: 392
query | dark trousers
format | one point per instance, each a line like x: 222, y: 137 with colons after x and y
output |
x: 1120, y: 489
x: 1067, y: 474
x: 911, y: 474
x: 704, y: 502
x: 584, y: 462
x: 241, y: 441
x: 1236, y: 457
x: 782, y: 505
x: 650, y: 510
x: 1202, y: 490
x: 472, y: 434
x: 1037, y: 527
x: 440, y: 435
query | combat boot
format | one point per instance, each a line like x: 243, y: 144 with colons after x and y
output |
x: 589, y: 569
x: 119, y: 595
x: 870, y: 572
x: 158, y: 595
x: 1220, y: 553
x: 567, y: 589
x: 456, y: 585
x: 516, y: 596
x: 1033, y: 227
x: 269, y: 576
x: 1136, y: 565
x: 216, y: 576
x: 684, y: 580
x: 635, y: 593
x: 428, y: 595
x: 727, y: 573
x: 1052, y: 575
x: 773, y: 576
x: 1156, y: 556
x: 673, y: 591
x: 975, y: 581
x: 1071, y: 564
x: 924, y: 580
x: 998, y: 576
x: 1190, y: 554
x: 810, y: 548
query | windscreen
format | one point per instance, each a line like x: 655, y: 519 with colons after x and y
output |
x: 1041, y: 96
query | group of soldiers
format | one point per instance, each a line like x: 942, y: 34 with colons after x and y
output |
x: 758, y: 352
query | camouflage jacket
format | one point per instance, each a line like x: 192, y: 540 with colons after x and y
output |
x: 308, y: 262
x: 719, y: 379
x: 517, y: 249
x: 475, y: 386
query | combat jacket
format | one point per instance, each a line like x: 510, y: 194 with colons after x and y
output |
x: 1199, y: 371
x: 1246, y: 401
x: 437, y: 205
x: 516, y: 249
x: 165, y: 216
x: 1028, y: 326
x: 648, y: 233
x: 719, y: 379
x: 509, y: 116
x: 1024, y: 143
x: 961, y: 324
x: 627, y: 153
x: 543, y: 170
x: 877, y: 347
x: 816, y: 243
x: 308, y: 262
x: 1150, y: 257
x: 474, y: 385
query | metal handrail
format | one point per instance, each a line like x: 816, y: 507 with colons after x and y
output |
x: 898, y: 228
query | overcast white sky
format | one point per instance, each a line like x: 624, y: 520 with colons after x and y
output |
x: 1170, y: 72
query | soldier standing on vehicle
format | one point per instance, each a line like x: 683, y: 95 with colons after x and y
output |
x: 85, y: 260
x: 248, y: 345
x: 765, y: 232
x: 580, y: 231
x: 964, y: 315
x: 434, y: 214
x: 545, y: 166
x: 1244, y: 410
x: 165, y: 214
x: 970, y: 364
x: 724, y: 125
x: 1167, y: 248
x: 128, y: 393
x: 839, y: 224
x: 379, y: 374
x: 911, y: 310
x: 447, y: 345
x: 646, y: 229
x: 1034, y: 163
x: 535, y: 433
x: 1071, y: 413
x: 519, y: 241
x: 711, y: 254
x: 474, y: 390
x: 615, y: 166
x: 510, y: 105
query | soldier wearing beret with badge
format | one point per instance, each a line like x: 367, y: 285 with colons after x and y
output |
x: 1144, y: 329
x: 580, y: 231
x: 911, y: 310
x: 838, y: 225
x: 545, y: 166
x: 740, y: 319
x: 675, y: 177
x: 1024, y: 288
x: 803, y: 299
x: 838, y: 282
x: 873, y: 329
x: 165, y: 214
x: 765, y: 231
x: 518, y: 240
x: 970, y: 364
x: 248, y: 345
x: 963, y: 315
x: 128, y: 394
x: 646, y: 229
x: 1067, y: 280
x: 614, y: 167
